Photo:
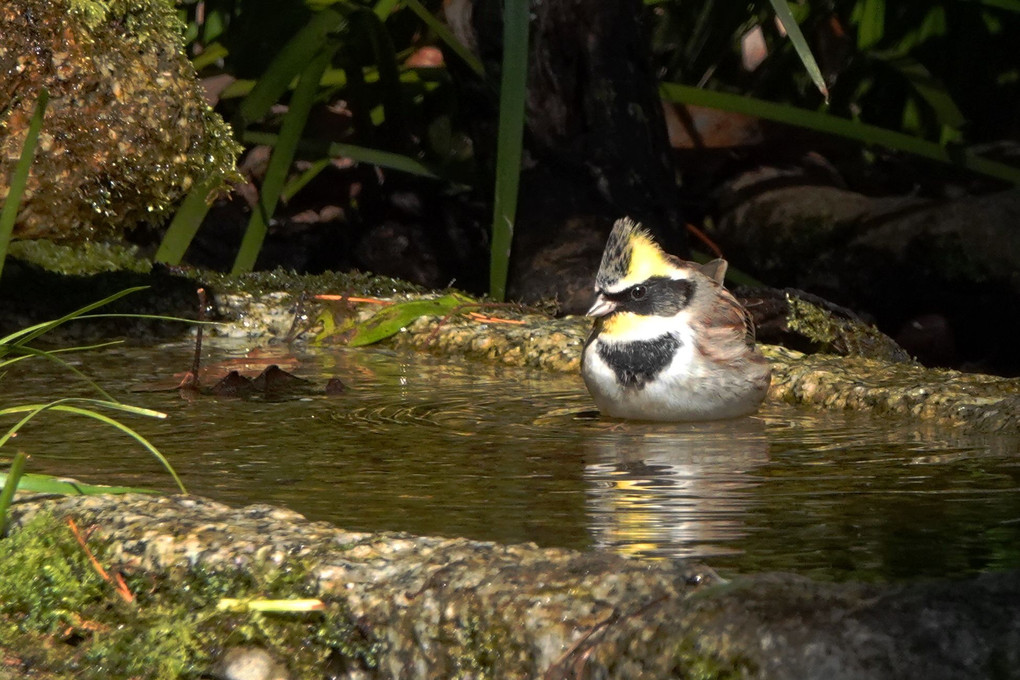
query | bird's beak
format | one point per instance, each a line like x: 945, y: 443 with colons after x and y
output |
x: 601, y: 307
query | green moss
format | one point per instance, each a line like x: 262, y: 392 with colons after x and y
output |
x: 47, y: 582
x: 127, y: 131
x: 831, y: 334
x: 57, y: 610
x: 87, y: 258
x: 694, y: 662
x: 260, y: 283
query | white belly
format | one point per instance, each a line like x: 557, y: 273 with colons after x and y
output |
x: 688, y: 389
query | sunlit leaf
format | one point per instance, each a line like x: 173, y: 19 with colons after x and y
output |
x: 389, y: 320
x: 64, y: 486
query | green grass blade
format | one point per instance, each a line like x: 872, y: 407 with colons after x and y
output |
x: 509, y: 140
x: 131, y: 433
x: 280, y: 161
x: 51, y: 356
x: 112, y: 405
x: 19, y: 178
x: 446, y: 35
x: 185, y: 224
x: 800, y: 45
x: 360, y: 154
x: 11, y: 480
x: 23, y: 352
x: 32, y: 332
x: 868, y: 134
x: 299, y: 182
x: 66, y: 405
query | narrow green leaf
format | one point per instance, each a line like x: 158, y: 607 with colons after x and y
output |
x: 446, y: 35
x: 800, y: 45
x: 48, y: 484
x: 389, y: 320
x: 185, y: 224
x: 296, y: 605
x: 871, y: 23
x: 280, y: 161
x: 19, y: 177
x: 361, y: 154
x: 299, y: 182
x: 26, y: 335
x: 66, y: 405
x: 11, y: 480
x: 51, y: 356
x: 509, y: 142
x: 868, y: 134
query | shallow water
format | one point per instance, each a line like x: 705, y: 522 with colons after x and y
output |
x: 468, y: 448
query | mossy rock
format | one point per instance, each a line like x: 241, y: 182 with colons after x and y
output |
x: 127, y: 131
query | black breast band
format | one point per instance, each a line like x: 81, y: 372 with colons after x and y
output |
x: 638, y: 362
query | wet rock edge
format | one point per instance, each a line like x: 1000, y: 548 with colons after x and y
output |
x: 435, y: 607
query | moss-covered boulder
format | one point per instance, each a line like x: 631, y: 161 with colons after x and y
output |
x: 127, y: 131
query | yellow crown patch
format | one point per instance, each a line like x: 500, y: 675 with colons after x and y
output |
x: 630, y: 256
x: 647, y: 259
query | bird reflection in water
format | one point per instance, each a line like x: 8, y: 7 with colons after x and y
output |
x: 658, y: 490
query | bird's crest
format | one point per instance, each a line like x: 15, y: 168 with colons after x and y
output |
x: 631, y: 256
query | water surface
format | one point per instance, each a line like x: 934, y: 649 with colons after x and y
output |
x: 467, y: 448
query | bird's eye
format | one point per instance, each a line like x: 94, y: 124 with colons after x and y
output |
x: 638, y: 292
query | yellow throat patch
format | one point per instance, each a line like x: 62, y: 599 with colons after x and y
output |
x: 621, y: 324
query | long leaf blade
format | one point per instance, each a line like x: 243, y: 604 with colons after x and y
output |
x: 862, y: 132
x: 19, y: 178
x: 785, y: 17
x: 280, y: 161
x: 509, y: 142
x: 185, y: 224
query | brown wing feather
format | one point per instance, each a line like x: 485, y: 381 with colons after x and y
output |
x: 727, y: 328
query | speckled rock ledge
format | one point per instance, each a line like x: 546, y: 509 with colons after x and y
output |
x: 442, y: 608
x: 972, y: 402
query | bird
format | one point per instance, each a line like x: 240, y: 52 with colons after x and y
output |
x: 669, y: 342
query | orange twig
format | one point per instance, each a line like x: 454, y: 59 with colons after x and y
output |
x: 478, y: 316
x: 701, y: 236
x: 119, y: 586
x: 350, y: 298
